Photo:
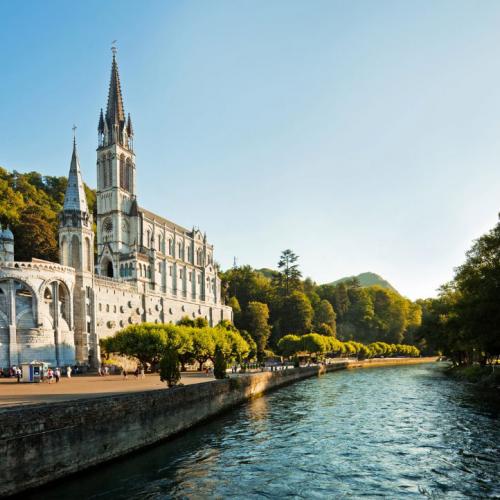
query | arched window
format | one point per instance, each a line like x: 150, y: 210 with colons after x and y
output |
x: 170, y: 247
x: 75, y: 252
x: 179, y: 248
x: 64, y: 251
x: 149, y: 272
x: 123, y: 173
x: 128, y: 175
x: 109, y: 173
x: 148, y: 238
x: 88, y: 255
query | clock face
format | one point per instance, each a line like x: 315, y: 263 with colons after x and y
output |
x: 107, y: 225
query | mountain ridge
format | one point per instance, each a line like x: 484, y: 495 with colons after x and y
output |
x: 366, y: 279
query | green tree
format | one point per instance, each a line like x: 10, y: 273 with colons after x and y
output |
x: 324, y: 314
x: 169, y: 367
x: 296, y: 314
x: 146, y: 342
x: 289, y: 275
x: 289, y: 345
x: 314, y: 344
x: 220, y: 364
x: 257, y: 317
x: 203, y: 346
x: 35, y: 237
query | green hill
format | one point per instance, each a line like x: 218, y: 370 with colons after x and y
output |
x: 366, y: 279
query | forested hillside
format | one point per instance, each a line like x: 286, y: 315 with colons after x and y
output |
x: 30, y: 204
x: 366, y: 279
x: 270, y: 304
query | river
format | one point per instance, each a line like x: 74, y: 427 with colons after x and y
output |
x: 394, y: 432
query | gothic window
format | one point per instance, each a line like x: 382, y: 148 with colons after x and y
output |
x: 109, y: 177
x: 88, y: 254
x: 170, y: 247
x: 64, y: 251
x: 128, y: 175
x: 75, y: 252
x: 149, y: 272
x: 179, y: 248
x: 123, y: 173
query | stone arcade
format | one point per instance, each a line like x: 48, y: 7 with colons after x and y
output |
x: 147, y: 268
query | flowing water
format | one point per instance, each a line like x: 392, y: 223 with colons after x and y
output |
x: 394, y: 432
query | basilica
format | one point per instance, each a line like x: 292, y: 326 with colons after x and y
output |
x: 142, y: 268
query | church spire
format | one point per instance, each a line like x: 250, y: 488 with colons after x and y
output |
x: 75, y: 199
x: 115, y: 114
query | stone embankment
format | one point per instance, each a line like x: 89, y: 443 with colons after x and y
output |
x: 43, y: 442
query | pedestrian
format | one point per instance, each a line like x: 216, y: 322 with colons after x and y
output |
x: 142, y: 372
x: 68, y: 372
x: 124, y: 374
x: 50, y: 375
x: 106, y: 370
x: 57, y: 374
x: 18, y: 374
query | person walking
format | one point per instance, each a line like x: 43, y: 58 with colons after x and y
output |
x: 68, y: 372
x: 50, y: 375
x: 142, y: 372
x: 124, y: 374
x: 57, y: 374
x: 18, y: 374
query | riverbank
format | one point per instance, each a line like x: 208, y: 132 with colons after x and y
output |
x: 43, y: 442
x: 484, y: 376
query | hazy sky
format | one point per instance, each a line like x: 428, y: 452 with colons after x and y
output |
x: 363, y: 135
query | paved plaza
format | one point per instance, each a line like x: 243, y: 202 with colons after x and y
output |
x: 78, y: 387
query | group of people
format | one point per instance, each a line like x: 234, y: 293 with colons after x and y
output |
x: 103, y: 371
x: 13, y: 371
x: 139, y: 372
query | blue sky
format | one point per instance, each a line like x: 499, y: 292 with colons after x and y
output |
x: 364, y: 135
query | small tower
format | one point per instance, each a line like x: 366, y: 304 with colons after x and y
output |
x: 76, y: 238
x: 6, y: 245
x: 76, y: 249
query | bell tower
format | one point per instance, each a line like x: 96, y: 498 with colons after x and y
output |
x: 116, y: 179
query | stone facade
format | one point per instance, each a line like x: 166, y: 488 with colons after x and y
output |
x: 147, y: 268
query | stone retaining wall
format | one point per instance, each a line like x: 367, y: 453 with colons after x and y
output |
x: 43, y: 442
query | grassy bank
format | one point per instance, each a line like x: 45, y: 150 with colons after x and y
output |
x: 487, y: 376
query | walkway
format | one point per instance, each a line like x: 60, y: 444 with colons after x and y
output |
x: 12, y: 393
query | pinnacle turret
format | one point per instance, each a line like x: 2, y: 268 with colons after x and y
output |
x: 100, y: 127
x: 75, y: 199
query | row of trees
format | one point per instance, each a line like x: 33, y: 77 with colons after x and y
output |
x: 463, y: 322
x: 319, y: 345
x: 170, y: 347
x: 148, y: 343
x: 271, y: 304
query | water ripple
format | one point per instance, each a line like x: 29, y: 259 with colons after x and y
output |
x: 397, y: 432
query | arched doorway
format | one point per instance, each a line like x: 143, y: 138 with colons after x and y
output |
x: 107, y: 267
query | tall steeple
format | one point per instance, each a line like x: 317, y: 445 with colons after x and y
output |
x: 76, y: 238
x: 116, y: 180
x: 75, y: 199
x: 115, y: 115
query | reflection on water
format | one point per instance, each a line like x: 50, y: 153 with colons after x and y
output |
x: 388, y: 432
